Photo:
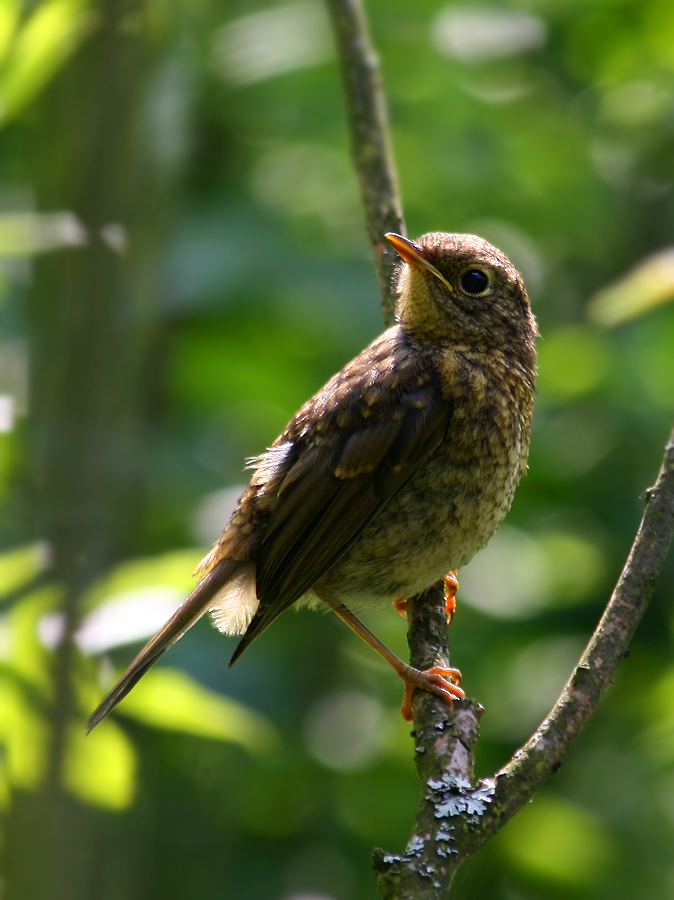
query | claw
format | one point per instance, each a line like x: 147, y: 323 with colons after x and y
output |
x: 439, y: 680
x: 400, y: 606
x: 451, y: 586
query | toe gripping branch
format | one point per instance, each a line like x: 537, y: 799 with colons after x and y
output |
x: 450, y: 585
x: 442, y: 681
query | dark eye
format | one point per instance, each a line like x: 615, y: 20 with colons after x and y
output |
x: 474, y: 281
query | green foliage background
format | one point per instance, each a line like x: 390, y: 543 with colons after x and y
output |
x: 182, y: 263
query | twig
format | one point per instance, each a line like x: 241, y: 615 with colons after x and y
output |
x: 370, y: 143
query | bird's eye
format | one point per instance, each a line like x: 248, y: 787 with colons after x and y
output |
x: 474, y: 281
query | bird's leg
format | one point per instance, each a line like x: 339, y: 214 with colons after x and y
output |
x: 440, y: 680
x: 450, y: 585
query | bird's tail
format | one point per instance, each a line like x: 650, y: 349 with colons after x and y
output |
x: 185, y: 616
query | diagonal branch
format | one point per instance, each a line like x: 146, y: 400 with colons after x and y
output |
x: 455, y: 817
x: 608, y: 645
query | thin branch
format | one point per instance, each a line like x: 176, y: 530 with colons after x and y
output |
x: 370, y: 142
x: 516, y: 782
x: 455, y: 817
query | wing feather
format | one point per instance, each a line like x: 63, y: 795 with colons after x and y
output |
x: 376, y: 427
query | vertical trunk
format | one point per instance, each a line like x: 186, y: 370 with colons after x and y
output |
x: 89, y: 331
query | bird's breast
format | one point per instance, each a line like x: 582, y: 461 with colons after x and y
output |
x: 454, y: 502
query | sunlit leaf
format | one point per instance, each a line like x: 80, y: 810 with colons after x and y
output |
x: 100, y: 768
x: 572, y: 362
x: 647, y: 286
x: 170, y: 699
x: 658, y: 736
x: 271, y: 42
x: 23, y: 737
x: 173, y: 570
x: 44, y: 43
x: 26, y: 650
x: 128, y: 617
x: 560, y: 841
x: 576, y: 566
x: 19, y: 566
x: 26, y: 233
x: 9, y: 16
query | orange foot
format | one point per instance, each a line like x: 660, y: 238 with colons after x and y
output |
x: 450, y: 585
x: 439, y: 680
x: 400, y: 606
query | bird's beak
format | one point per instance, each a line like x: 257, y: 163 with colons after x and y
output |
x: 415, y: 255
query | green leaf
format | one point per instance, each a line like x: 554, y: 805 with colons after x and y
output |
x: 560, y: 841
x: 101, y: 768
x: 39, y: 49
x: 647, y: 286
x: 19, y: 566
x: 170, y: 699
x: 23, y: 739
x: 9, y: 16
x: 573, y: 361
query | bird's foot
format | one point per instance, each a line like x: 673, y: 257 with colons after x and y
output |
x: 439, y: 680
x: 400, y: 606
x: 450, y: 584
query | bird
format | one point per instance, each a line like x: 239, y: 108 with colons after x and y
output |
x: 399, y: 470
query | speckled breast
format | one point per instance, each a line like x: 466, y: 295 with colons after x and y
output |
x: 452, y: 506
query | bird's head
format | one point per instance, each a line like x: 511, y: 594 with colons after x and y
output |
x: 459, y: 289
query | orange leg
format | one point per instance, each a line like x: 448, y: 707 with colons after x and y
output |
x: 439, y: 680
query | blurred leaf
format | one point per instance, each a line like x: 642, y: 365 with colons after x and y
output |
x: 23, y: 737
x: 26, y: 626
x: 135, y: 599
x: 100, y: 768
x: 9, y: 16
x: 576, y: 566
x: 20, y: 566
x: 172, y: 700
x: 559, y: 841
x: 125, y: 618
x: 173, y: 570
x: 647, y: 286
x: 271, y: 42
x: 658, y: 736
x: 25, y: 233
x: 572, y: 362
x: 42, y: 45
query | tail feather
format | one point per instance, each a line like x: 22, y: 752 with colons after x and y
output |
x: 190, y: 611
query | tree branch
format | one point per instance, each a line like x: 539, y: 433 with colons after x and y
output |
x: 456, y: 816
x: 370, y: 143
x: 531, y: 765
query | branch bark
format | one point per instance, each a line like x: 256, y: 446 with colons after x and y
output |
x: 456, y: 816
x: 370, y: 142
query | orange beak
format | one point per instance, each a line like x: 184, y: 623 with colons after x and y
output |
x: 415, y: 255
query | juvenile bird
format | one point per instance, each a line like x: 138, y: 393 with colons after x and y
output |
x: 398, y: 470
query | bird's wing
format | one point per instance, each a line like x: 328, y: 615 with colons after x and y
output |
x: 349, y: 450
